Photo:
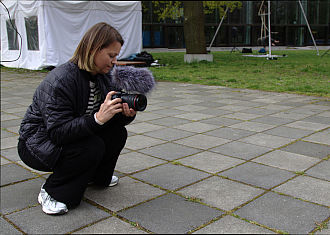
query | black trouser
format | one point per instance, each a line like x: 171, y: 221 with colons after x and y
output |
x: 90, y: 159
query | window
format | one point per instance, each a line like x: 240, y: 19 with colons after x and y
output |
x: 31, y: 25
x: 12, y: 35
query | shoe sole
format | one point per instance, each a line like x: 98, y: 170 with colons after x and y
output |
x: 113, y: 184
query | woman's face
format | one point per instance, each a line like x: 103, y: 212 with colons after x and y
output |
x: 105, y: 58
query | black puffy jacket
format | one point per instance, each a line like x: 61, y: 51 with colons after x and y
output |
x: 57, y: 117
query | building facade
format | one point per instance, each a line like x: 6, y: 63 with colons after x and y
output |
x: 243, y: 26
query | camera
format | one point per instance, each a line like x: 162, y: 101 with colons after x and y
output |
x: 138, y: 102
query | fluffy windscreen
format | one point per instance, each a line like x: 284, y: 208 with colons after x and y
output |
x: 132, y: 79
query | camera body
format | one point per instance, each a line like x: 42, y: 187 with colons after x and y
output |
x: 138, y: 102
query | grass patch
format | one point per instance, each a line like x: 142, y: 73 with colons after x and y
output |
x: 301, y: 72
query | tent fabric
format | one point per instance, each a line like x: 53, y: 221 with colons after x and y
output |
x: 51, y: 30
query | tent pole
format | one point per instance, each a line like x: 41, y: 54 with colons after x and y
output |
x: 310, y: 31
x: 216, y: 32
x: 269, y: 33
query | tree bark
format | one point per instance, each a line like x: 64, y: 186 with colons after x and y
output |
x: 194, y: 33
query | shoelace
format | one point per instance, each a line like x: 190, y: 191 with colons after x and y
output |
x: 50, y: 201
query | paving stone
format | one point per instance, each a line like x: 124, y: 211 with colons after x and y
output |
x: 242, y: 116
x: 252, y: 126
x: 211, y: 104
x: 290, y: 115
x: 273, y: 120
x: 320, y: 137
x: 198, y: 127
x: 6, y: 133
x: 221, y: 121
x: 311, y: 111
x: 215, y: 112
x: 258, y: 175
x: 221, y: 193
x: 308, y: 149
x: 293, y: 104
x: 287, y: 161
x: 34, y: 221
x: 317, y: 107
x: 167, y: 98
x: 230, y: 133
x: 233, y: 107
x: 267, y: 140
x: 11, y: 154
x: 226, y: 99
x: 9, y: 142
x: 170, y: 151
x: 177, y: 215
x: 324, y: 114
x: 284, y: 213
x: 202, y: 141
x: 210, y: 162
x: 134, y: 161
x: 232, y: 225
x: 241, y: 150
x: 25, y: 194
x: 308, y: 125
x: 292, y: 133
x: 146, y: 116
x: 265, y: 100
x: 14, y: 129
x: 169, y: 134
x: 111, y: 225
x: 169, y: 121
x: 321, y: 170
x: 250, y: 104
x: 142, y: 127
x: 16, y: 109
x: 242, y: 97
x: 140, y: 142
x: 10, y: 123
x: 171, y: 176
x: 260, y: 111
x: 127, y: 193
x: 307, y: 188
x: 11, y: 173
x: 191, y: 107
x: 276, y: 107
x: 7, y: 116
x: 7, y: 228
x: 168, y: 111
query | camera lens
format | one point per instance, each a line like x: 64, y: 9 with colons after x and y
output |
x: 137, y: 102
x: 140, y: 102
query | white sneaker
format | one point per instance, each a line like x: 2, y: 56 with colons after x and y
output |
x: 114, y: 181
x: 49, y: 205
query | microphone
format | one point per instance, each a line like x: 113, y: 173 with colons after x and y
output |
x: 132, y: 79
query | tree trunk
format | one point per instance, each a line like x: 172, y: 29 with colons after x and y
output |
x: 194, y: 33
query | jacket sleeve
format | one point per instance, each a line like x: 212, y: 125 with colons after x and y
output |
x: 63, y: 124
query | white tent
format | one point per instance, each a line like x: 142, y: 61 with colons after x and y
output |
x: 51, y: 30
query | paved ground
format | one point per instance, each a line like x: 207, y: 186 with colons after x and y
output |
x: 200, y: 159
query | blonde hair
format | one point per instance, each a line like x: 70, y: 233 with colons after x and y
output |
x: 99, y: 36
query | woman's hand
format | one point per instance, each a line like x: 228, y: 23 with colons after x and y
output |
x: 128, y: 112
x: 110, y: 108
